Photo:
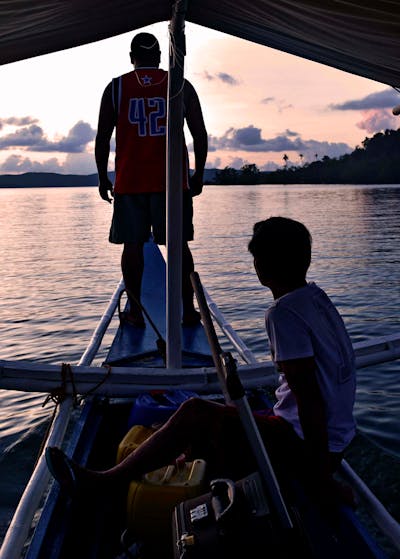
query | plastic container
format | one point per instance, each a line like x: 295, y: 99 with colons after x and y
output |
x: 134, y: 437
x: 152, y: 499
x: 156, y: 407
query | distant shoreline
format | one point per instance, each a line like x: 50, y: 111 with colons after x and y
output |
x: 48, y: 186
x: 55, y: 180
x: 34, y: 180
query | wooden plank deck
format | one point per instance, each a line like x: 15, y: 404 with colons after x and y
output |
x: 138, y: 346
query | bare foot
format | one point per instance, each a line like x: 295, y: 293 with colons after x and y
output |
x: 135, y: 320
x: 191, y: 318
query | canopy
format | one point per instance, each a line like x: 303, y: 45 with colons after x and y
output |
x: 355, y: 36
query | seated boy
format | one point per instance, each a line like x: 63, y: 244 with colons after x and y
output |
x: 312, y: 421
x: 312, y: 351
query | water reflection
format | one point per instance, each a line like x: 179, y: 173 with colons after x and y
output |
x: 58, y: 269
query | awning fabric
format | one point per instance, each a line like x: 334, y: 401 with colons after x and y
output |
x: 359, y: 37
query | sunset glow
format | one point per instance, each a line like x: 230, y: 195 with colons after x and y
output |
x: 258, y: 104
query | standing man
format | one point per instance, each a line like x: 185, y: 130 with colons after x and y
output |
x: 136, y: 104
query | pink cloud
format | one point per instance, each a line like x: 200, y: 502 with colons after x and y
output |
x: 376, y: 120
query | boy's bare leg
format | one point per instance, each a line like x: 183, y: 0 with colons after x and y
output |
x: 196, y: 423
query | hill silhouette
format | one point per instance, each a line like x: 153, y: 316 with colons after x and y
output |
x: 48, y: 179
x: 25, y: 180
x: 375, y: 162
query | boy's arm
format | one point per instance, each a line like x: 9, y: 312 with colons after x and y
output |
x: 302, y: 380
x: 102, y: 146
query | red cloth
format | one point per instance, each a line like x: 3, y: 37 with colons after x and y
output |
x: 140, y: 162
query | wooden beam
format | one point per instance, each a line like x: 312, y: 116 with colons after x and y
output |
x: 121, y: 381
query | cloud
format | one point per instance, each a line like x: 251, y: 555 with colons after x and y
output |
x: 213, y: 163
x: 249, y: 136
x: 227, y: 78
x: 221, y: 76
x: 377, y: 120
x: 17, y: 121
x: 249, y: 139
x: 32, y: 137
x: 74, y: 164
x: 387, y: 98
x: 291, y: 133
x: 280, y: 104
x: 81, y: 164
x: 269, y: 166
x: 237, y: 162
x: 20, y: 164
x: 267, y: 100
x: 78, y: 137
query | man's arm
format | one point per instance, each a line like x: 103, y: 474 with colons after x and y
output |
x: 102, y: 146
x: 195, y: 122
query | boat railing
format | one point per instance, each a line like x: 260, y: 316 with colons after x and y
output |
x: 387, y: 524
x: 21, y: 522
x: 245, y: 353
x: 367, y: 353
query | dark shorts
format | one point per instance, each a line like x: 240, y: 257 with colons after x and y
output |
x: 286, y: 450
x: 136, y: 216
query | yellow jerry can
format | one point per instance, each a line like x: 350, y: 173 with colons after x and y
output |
x: 134, y: 438
x: 152, y: 499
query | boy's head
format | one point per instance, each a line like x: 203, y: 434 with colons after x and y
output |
x: 281, y: 248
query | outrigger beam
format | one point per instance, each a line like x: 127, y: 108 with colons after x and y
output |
x: 177, y: 51
x: 119, y: 381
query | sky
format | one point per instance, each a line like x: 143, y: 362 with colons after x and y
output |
x: 258, y: 104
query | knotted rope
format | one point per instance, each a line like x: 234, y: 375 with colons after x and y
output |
x: 60, y: 393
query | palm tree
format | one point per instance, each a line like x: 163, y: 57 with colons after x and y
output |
x: 285, y: 159
x: 301, y: 158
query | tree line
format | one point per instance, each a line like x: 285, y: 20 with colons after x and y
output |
x: 376, y: 161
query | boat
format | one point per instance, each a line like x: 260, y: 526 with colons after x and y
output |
x: 95, y: 403
x: 49, y: 524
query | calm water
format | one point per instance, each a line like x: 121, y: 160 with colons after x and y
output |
x: 59, y: 271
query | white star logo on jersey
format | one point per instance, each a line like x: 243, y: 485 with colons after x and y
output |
x: 146, y: 80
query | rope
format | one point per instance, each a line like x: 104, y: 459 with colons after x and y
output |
x: 161, y: 344
x: 59, y: 394
x: 177, y: 55
x: 96, y: 386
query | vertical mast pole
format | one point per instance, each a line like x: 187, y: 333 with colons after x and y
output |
x: 177, y: 51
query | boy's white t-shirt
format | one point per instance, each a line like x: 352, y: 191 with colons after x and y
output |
x: 305, y: 323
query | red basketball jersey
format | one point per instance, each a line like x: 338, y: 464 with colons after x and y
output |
x: 140, y: 162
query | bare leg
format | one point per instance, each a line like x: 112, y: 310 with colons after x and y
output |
x: 190, y: 315
x: 193, y: 423
x: 132, y: 263
x: 197, y: 424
